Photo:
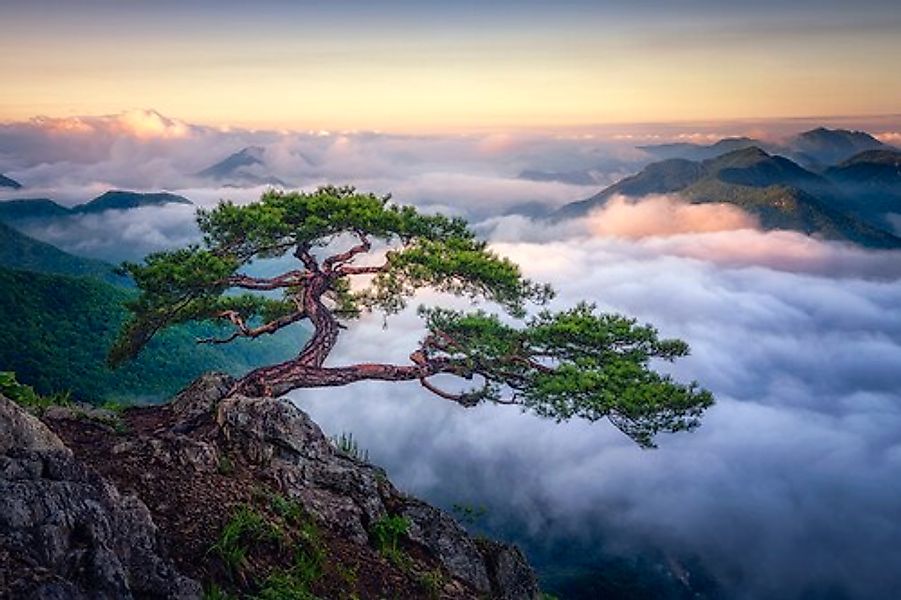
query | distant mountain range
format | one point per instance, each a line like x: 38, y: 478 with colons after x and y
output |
x: 245, y: 168
x: 18, y: 251
x: 814, y: 149
x: 690, y: 151
x: 597, y: 174
x: 10, y: 183
x: 123, y: 200
x: 45, y: 209
x: 780, y: 192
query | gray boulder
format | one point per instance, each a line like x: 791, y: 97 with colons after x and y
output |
x: 67, y: 533
x: 512, y: 578
x: 351, y: 495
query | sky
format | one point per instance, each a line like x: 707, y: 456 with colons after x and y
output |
x: 429, y: 66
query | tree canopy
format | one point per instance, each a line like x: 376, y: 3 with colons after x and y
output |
x: 574, y: 363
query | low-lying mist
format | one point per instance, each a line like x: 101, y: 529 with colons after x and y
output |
x: 789, y: 489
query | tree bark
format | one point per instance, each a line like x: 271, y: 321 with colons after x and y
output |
x: 325, y: 325
x: 297, y: 376
x: 306, y: 370
x: 313, y: 353
x: 292, y: 375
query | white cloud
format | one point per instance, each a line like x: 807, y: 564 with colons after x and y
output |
x: 143, y: 150
x: 790, y: 485
x: 117, y: 235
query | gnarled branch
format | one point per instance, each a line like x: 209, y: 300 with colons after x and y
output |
x: 362, y: 270
x: 242, y: 329
x: 302, y: 253
x: 466, y: 399
x: 364, y: 246
x: 289, y: 279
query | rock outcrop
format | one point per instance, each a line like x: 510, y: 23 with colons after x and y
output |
x: 86, y: 510
x: 67, y: 533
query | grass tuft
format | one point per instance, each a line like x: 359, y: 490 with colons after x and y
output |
x: 246, y: 527
x: 27, y: 398
x: 386, y: 533
x: 348, y: 446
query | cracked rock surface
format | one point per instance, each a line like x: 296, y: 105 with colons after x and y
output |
x: 87, y: 511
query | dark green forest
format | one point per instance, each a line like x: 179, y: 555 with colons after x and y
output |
x: 57, y: 330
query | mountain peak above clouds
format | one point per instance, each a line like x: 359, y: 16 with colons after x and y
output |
x: 870, y: 166
x: 691, y: 151
x: 124, y: 200
x: 246, y: 167
x: 246, y: 157
x: 776, y: 190
x: 756, y: 167
x: 9, y: 183
x: 31, y: 208
x: 845, y: 138
x: 43, y: 208
x: 814, y: 148
x: 890, y: 156
x: 830, y: 146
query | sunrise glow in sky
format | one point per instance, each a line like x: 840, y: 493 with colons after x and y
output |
x: 424, y: 66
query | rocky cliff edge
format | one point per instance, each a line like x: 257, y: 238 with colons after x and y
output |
x: 221, y: 496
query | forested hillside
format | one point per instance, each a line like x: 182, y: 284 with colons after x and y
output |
x: 57, y: 330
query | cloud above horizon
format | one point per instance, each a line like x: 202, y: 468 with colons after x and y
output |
x: 73, y: 159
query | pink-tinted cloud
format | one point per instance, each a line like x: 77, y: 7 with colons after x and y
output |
x: 889, y: 137
x: 669, y: 226
x: 664, y: 216
x: 143, y: 124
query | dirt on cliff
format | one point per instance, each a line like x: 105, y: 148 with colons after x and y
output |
x: 247, y: 498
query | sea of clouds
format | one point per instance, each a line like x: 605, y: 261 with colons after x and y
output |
x: 72, y: 160
x: 792, y: 486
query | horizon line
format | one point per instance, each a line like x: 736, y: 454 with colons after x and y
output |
x: 465, y: 129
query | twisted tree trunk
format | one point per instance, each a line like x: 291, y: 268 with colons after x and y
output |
x: 325, y: 326
x: 272, y: 380
x: 306, y: 370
